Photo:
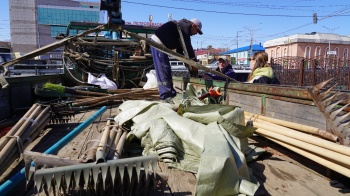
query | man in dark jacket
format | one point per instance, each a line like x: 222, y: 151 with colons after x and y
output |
x: 169, y: 36
x: 223, y: 67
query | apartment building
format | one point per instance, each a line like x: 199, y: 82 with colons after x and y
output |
x: 36, y: 23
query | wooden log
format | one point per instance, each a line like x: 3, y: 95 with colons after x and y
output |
x: 328, y: 154
x: 304, y: 137
x: 331, y: 165
x: 297, y: 126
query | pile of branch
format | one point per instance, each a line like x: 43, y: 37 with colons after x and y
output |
x: 327, y: 153
x: 21, y: 134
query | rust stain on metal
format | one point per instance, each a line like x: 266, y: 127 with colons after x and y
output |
x: 327, y: 135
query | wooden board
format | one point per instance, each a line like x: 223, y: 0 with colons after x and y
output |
x: 179, y: 182
x: 288, y: 111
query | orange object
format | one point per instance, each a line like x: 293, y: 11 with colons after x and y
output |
x: 211, y: 92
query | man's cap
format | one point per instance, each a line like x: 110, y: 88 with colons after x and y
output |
x: 198, y: 24
x: 221, y: 59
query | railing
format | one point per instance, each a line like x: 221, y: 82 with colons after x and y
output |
x: 35, y: 69
x: 299, y: 71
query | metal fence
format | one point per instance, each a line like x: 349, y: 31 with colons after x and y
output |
x: 299, y: 71
x: 35, y: 69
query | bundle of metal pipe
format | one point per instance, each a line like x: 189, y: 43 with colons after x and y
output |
x: 149, y: 94
x: 109, y: 145
x: 329, y: 154
x: 110, y: 173
x: 21, y: 134
x: 292, y: 125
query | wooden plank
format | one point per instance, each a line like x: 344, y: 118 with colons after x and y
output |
x: 246, y: 102
x: 293, y: 112
x: 179, y: 182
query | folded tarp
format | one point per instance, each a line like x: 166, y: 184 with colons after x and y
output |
x: 210, y: 140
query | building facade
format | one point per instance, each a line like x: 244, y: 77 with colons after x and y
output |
x: 36, y: 23
x: 311, y: 45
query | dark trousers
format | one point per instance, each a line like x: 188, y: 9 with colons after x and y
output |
x: 163, y: 73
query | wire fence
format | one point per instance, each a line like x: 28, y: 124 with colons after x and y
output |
x: 300, y: 71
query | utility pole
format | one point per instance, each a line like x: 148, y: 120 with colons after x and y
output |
x: 237, y: 47
x: 329, y: 41
x: 251, y: 32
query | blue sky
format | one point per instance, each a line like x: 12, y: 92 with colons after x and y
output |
x: 222, y: 19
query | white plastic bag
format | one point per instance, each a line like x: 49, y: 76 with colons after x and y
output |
x: 102, y: 81
x: 151, y: 80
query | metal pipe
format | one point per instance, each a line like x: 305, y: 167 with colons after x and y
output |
x: 18, y: 178
x: 101, y: 150
x: 11, y: 143
x: 15, y: 128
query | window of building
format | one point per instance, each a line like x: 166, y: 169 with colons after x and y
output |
x: 307, y: 52
x: 336, y: 51
x: 326, y: 51
x: 285, y: 52
x: 58, y: 17
x: 317, y: 52
x: 278, y: 52
x: 307, y: 55
x: 345, y: 54
x: 272, y: 54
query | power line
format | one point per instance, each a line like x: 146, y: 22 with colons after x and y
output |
x: 218, y: 12
x: 336, y: 13
x: 221, y: 12
x: 259, y: 5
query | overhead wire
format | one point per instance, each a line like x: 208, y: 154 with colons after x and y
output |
x: 336, y: 13
x: 218, y: 12
x: 340, y: 12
